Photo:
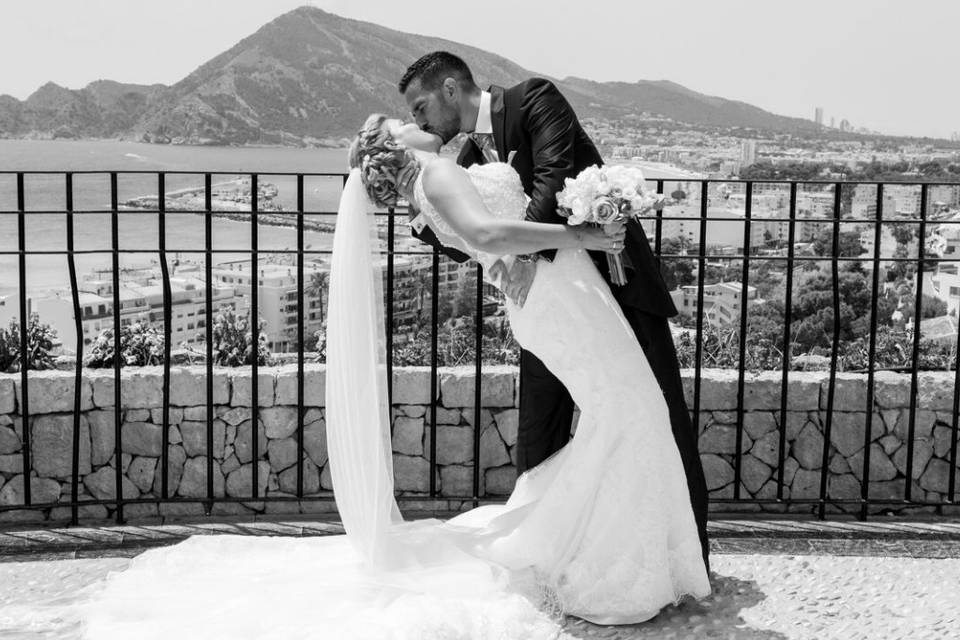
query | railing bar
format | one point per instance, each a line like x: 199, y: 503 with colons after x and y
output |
x: 167, y: 336
x: 78, y: 364
x: 701, y: 268
x: 255, y: 340
x: 658, y: 232
x: 117, y: 355
x: 872, y: 355
x: 917, y: 316
x: 478, y: 385
x: 787, y: 345
x: 434, y: 356
x: 834, y: 353
x: 24, y: 337
x: 388, y: 320
x: 208, y: 307
x: 301, y: 307
x: 741, y: 363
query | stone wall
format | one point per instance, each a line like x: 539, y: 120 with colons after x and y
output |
x: 51, y: 405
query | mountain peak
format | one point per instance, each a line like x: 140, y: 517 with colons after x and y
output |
x: 311, y: 77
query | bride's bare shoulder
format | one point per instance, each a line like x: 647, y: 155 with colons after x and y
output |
x: 442, y: 173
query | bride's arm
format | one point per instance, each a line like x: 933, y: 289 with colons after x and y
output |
x: 449, y: 189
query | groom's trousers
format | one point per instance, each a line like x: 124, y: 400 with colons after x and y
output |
x: 546, y: 409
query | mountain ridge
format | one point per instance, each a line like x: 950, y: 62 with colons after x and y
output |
x: 309, y: 77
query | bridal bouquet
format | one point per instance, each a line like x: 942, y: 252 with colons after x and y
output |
x: 606, y: 195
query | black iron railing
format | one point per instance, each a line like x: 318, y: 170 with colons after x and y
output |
x: 749, y: 255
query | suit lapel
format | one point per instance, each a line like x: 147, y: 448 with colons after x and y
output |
x: 497, y: 116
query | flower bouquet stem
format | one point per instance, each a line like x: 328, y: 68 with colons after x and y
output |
x: 618, y: 274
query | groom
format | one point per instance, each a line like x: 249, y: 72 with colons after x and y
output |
x: 534, y: 126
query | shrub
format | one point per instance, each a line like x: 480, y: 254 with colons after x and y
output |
x: 233, y: 341
x: 40, y: 339
x: 140, y: 346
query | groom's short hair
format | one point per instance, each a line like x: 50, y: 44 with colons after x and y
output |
x: 433, y: 68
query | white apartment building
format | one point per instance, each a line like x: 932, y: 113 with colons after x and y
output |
x: 139, y: 303
x: 721, y: 302
x: 277, y: 298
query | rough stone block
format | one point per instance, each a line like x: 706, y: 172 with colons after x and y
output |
x: 508, y: 421
x: 51, y: 446
x: 718, y: 390
x: 721, y: 438
x: 53, y: 392
x: 314, y: 385
x: 413, y: 410
x: 188, y: 386
x: 717, y: 471
x: 11, y: 463
x: 193, y: 483
x: 935, y: 390
x: 240, y: 481
x: 808, y: 447
x: 408, y: 436
x: 493, y: 451
x: 850, y: 393
x: 500, y: 481
x: 102, y: 485
x: 411, y: 385
x: 8, y: 394
x: 922, y: 452
x: 282, y: 454
x: 194, y: 437
x: 937, y: 476
x: 287, y: 377
x: 102, y: 436
x: 279, y: 422
x: 454, y: 445
x: 141, y: 472
x: 881, y: 468
x: 142, y: 439
x: 42, y: 491
x: 890, y: 390
x: 311, y: 478
x: 457, y: 387
x: 243, y: 444
x: 843, y: 486
x: 241, y: 388
x: 141, y: 388
x: 411, y: 473
x: 767, y: 448
x: 759, y: 423
x: 457, y: 480
x: 9, y: 440
x: 754, y: 474
x: 315, y: 442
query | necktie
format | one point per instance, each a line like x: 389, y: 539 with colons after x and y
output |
x: 485, y: 142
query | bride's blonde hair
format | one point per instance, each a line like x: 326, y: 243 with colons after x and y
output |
x: 382, y: 161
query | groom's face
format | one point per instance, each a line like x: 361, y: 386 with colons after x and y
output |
x: 436, y: 111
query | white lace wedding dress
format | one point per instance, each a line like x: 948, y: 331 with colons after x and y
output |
x: 602, y: 530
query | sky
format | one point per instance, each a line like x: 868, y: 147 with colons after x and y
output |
x: 887, y: 65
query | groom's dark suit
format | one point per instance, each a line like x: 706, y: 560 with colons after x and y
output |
x: 534, y: 120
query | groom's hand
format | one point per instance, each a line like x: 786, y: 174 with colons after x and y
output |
x: 520, y: 280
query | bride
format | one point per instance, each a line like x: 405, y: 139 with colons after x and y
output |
x: 603, y: 530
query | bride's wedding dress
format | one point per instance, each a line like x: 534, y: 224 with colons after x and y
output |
x: 602, y: 530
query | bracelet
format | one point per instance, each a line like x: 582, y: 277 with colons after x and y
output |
x: 528, y: 257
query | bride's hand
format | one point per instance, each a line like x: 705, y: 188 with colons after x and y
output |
x: 602, y: 238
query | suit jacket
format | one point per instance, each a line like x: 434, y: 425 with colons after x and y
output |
x: 535, y: 123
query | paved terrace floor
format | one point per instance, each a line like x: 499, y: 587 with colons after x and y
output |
x: 772, y: 579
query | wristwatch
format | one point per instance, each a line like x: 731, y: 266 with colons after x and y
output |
x: 528, y: 257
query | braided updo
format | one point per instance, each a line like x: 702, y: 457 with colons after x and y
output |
x: 383, y: 163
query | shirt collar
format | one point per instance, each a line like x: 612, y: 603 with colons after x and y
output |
x: 484, y: 123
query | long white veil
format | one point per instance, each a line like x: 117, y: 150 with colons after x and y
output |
x: 358, y: 413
